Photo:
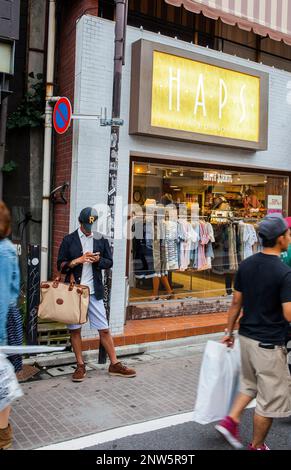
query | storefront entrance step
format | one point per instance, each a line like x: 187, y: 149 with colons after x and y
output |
x: 164, y: 329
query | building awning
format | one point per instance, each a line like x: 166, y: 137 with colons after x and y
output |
x: 265, y: 17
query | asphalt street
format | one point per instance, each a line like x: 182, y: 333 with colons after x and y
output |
x: 192, y: 436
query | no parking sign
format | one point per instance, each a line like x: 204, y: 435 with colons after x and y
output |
x: 62, y: 115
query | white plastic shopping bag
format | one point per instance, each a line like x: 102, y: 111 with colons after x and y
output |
x: 9, y: 386
x: 218, y: 382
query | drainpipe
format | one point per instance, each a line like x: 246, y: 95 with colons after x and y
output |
x: 47, y: 158
x: 3, y: 122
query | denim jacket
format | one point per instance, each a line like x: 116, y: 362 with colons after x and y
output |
x: 9, y: 283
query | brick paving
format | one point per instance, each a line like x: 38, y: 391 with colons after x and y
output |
x: 56, y: 409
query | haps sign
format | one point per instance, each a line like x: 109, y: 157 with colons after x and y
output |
x: 193, y: 96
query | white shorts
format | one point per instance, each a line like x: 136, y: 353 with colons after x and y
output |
x: 96, y: 315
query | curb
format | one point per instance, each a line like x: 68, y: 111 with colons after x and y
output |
x: 62, y: 358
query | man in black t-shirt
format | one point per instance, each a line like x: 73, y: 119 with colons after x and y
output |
x: 263, y: 291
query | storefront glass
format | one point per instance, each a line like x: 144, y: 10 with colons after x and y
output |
x: 191, y: 227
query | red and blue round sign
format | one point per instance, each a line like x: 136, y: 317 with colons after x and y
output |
x: 62, y: 115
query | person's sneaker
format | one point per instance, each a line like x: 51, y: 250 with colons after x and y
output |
x: 80, y: 373
x: 121, y: 370
x: 263, y: 447
x: 229, y: 429
x: 6, y: 437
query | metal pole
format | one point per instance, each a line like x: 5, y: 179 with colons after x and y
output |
x: 120, y: 29
x: 33, y: 288
x: 48, y: 140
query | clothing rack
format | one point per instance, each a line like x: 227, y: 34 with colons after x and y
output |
x: 221, y: 219
x: 246, y: 219
x: 236, y: 219
x: 190, y: 217
x: 162, y: 211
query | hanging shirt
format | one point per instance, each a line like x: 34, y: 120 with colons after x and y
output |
x: 209, y: 253
x: 169, y: 244
x: 203, y: 241
x: 249, y: 239
x: 187, y: 237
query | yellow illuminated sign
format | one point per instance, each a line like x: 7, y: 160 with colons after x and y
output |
x: 194, y: 96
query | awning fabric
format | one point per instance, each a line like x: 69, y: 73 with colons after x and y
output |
x: 265, y: 17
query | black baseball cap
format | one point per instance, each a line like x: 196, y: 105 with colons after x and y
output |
x: 273, y: 226
x: 87, y: 218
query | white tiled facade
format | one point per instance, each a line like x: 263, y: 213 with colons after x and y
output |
x: 93, y: 90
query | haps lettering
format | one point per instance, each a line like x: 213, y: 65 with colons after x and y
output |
x: 200, y: 95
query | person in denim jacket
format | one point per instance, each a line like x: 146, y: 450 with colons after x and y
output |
x: 9, y: 288
x: 9, y: 272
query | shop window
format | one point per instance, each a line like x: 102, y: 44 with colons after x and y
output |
x: 192, y: 227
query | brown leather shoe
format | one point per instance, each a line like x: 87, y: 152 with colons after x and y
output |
x: 121, y: 370
x: 6, y: 437
x: 80, y: 373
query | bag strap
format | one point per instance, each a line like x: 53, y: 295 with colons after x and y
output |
x: 58, y: 279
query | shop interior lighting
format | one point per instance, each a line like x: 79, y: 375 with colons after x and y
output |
x: 266, y: 179
x: 181, y: 172
x: 148, y: 170
x: 238, y: 178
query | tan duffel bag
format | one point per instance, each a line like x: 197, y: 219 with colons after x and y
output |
x: 64, y: 303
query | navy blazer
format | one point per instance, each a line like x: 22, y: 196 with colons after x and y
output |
x: 71, y: 248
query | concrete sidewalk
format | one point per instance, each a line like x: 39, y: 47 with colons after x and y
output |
x: 56, y: 409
